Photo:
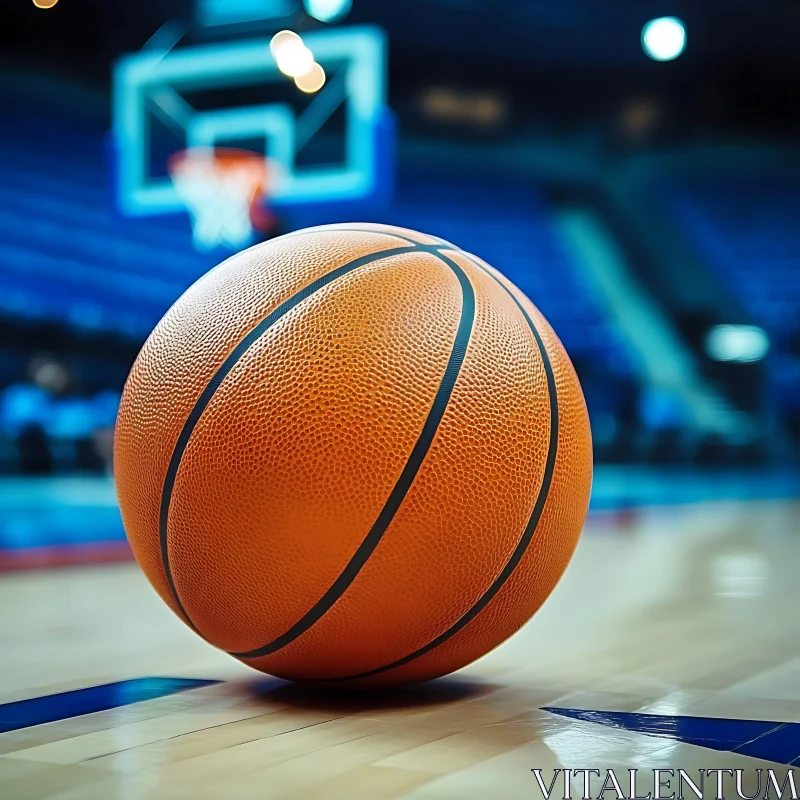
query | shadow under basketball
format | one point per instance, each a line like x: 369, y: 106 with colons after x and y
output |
x: 358, y: 701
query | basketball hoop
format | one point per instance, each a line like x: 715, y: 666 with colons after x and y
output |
x: 220, y: 187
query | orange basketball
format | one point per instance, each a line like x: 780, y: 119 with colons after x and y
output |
x: 353, y: 454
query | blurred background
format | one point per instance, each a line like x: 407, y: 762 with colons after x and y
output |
x: 634, y: 167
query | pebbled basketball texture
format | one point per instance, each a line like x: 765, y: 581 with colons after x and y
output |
x: 353, y: 454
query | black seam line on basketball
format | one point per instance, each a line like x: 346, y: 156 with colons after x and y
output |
x: 530, y: 528
x: 438, y: 244
x: 227, y: 365
x: 403, y: 484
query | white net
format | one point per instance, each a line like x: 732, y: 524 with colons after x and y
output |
x: 218, y: 188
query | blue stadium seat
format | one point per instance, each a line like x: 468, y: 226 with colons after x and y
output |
x: 748, y: 232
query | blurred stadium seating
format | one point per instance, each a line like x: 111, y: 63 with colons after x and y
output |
x: 747, y: 231
x: 81, y: 286
x: 66, y: 258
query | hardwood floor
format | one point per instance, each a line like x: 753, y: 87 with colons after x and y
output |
x: 676, y: 611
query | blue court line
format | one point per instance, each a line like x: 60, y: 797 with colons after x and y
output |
x: 76, y: 703
x: 769, y: 741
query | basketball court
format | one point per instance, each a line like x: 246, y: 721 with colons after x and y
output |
x: 668, y: 653
x: 666, y: 613
x: 707, y: 633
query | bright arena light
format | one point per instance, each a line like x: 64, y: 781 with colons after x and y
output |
x: 327, y: 10
x: 44, y: 3
x: 283, y: 39
x: 293, y: 57
x: 742, y: 343
x: 664, y: 39
x: 295, y: 62
x: 312, y: 81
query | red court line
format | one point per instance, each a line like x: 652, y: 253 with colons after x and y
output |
x: 64, y: 556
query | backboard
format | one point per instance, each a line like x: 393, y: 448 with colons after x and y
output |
x: 326, y: 147
x: 212, y: 13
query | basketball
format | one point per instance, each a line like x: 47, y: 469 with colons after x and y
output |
x: 398, y: 514
x: 354, y: 454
